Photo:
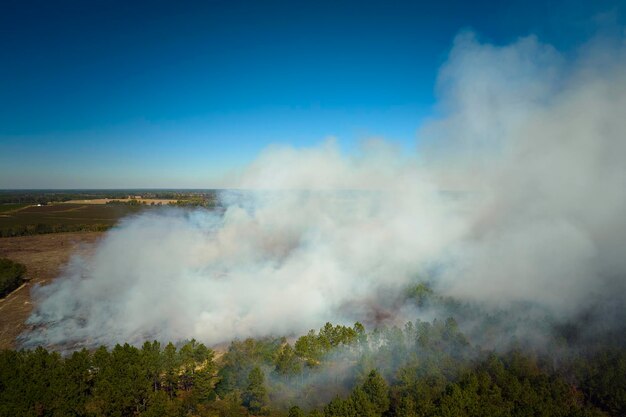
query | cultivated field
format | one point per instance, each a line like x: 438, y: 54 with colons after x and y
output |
x: 63, y: 217
x: 44, y: 256
x: 107, y: 214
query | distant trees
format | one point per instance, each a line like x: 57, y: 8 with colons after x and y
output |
x: 196, y: 201
x: 45, y: 228
x: 11, y: 276
x: 49, y: 196
x: 126, y: 202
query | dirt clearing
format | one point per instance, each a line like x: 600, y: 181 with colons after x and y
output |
x: 44, y: 256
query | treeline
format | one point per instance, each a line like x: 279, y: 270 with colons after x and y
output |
x: 181, y: 194
x: 207, y: 201
x: 423, y: 369
x: 11, y: 276
x: 44, y: 228
x: 191, y: 201
x: 56, y: 196
x: 44, y: 197
x: 125, y: 381
x: 129, y: 202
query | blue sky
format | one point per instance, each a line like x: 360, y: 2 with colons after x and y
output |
x: 109, y: 94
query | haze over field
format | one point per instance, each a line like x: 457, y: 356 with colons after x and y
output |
x: 515, y: 195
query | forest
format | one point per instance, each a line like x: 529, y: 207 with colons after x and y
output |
x: 423, y: 369
x: 11, y: 276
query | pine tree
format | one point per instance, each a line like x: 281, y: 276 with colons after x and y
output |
x: 377, y: 392
x: 406, y: 408
x: 255, y: 397
x: 361, y: 404
x: 295, y: 411
x: 287, y: 363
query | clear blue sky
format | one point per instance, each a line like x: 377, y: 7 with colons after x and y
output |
x: 114, y: 94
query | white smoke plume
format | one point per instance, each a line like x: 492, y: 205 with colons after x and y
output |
x: 516, y: 193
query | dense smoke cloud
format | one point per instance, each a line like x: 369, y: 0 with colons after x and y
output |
x: 516, y: 194
x: 543, y: 142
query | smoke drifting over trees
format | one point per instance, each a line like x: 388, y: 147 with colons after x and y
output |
x: 515, y: 196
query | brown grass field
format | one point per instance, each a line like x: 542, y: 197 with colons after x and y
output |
x: 44, y: 256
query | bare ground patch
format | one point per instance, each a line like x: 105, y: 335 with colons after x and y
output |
x: 44, y: 256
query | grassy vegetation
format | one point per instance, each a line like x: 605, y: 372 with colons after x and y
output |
x: 63, y: 218
x: 42, y: 229
x: 11, y: 276
x: 5, y: 208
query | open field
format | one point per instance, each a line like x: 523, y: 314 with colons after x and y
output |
x: 68, y: 214
x: 8, y: 208
x: 34, y: 212
x: 44, y: 256
x: 64, y: 217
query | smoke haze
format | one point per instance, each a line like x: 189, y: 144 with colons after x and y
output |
x: 516, y: 194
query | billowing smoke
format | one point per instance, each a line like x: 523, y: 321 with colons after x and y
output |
x: 542, y: 141
x: 516, y: 194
